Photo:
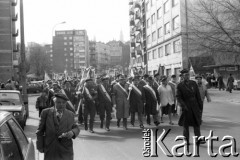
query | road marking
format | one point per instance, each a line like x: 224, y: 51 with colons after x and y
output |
x: 221, y: 120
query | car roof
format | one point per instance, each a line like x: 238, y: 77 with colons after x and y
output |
x: 3, y: 115
x: 9, y: 91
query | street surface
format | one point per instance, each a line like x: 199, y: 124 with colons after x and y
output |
x: 222, y: 116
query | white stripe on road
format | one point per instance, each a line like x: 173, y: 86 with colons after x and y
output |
x: 220, y: 120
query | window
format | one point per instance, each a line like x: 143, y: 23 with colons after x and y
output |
x: 8, y: 144
x: 71, y: 54
x: 167, y: 28
x: 155, y: 54
x: 159, y: 13
x: 148, y: 23
x: 65, y: 43
x: 65, y: 54
x: 148, y: 39
x: 168, y: 49
x: 153, y: 18
x: 149, y: 55
x: 176, y: 46
x: 174, y: 2
x: 176, y: 23
x: 160, y: 32
x: 70, y: 38
x: 151, y: 3
x: 51, y: 55
x: 160, y: 52
x: 166, y: 6
x: 168, y: 72
x: 66, y: 60
x: 70, y: 43
x: 65, y: 38
x: 154, y: 36
x: 71, y: 49
x: 21, y: 138
x: 65, y: 49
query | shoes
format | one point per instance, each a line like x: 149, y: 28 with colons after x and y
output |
x: 107, y: 129
x: 118, y: 124
x: 156, y: 123
x: 141, y: 126
x: 91, y: 131
x: 101, y: 125
x: 86, y: 127
x: 132, y: 124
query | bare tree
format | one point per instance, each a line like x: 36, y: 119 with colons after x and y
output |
x: 214, y: 27
x: 38, y: 60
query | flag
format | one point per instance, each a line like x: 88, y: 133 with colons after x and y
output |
x: 46, y: 77
x: 131, y: 73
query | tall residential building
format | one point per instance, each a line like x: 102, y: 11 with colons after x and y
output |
x: 8, y: 34
x: 137, y: 15
x: 70, y: 51
x: 49, y: 52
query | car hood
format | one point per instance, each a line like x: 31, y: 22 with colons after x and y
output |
x: 11, y: 108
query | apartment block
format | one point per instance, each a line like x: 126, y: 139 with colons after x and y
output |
x: 9, y: 50
x: 70, y: 51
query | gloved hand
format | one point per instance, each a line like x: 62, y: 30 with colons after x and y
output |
x: 69, y: 134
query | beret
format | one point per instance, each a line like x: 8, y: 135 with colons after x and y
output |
x: 89, y: 80
x: 61, y: 96
x: 104, y: 78
x: 136, y: 77
x: 145, y: 75
x: 198, y: 76
x: 163, y: 78
x: 122, y: 77
x: 184, y: 71
x: 67, y: 82
x: 173, y: 76
x: 150, y: 78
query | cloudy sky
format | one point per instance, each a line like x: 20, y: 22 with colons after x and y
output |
x: 103, y: 19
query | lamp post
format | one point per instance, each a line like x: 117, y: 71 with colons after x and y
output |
x: 56, y: 26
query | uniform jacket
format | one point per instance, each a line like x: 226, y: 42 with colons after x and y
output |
x: 150, y: 100
x: 188, y: 96
x: 90, y: 101
x: 54, y: 147
x: 102, y: 98
x: 71, y: 95
x: 136, y: 100
x: 120, y: 99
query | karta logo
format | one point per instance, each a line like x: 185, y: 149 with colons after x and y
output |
x: 152, y: 142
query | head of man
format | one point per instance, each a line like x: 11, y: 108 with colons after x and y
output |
x: 56, y: 88
x: 67, y: 84
x: 105, y: 81
x: 44, y: 93
x: 199, y: 79
x: 89, y: 83
x: 164, y: 80
x: 60, y: 102
x: 49, y: 82
x: 145, y: 77
x: 185, y: 74
x: 122, y: 79
x: 174, y: 78
x: 150, y: 81
x: 136, y: 80
x: 98, y: 80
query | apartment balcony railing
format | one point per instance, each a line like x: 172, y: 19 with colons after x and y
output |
x: 137, y: 5
x: 131, y: 11
x: 132, y: 23
x: 15, y: 34
x: 14, y: 2
x: 131, y: 2
x: 138, y: 16
x: 15, y: 18
x: 133, y: 54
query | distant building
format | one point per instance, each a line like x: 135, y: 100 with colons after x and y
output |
x: 8, y: 47
x: 115, y: 53
x: 70, y: 51
x: 49, y: 52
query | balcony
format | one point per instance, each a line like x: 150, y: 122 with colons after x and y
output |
x: 131, y: 11
x: 15, y: 18
x: 133, y: 44
x: 132, y: 23
x: 131, y: 2
x: 138, y: 26
x: 133, y: 55
x: 132, y: 32
x: 15, y: 34
x: 138, y: 38
x: 139, y: 50
x: 137, y: 5
x: 14, y: 3
x: 138, y: 15
x: 16, y: 49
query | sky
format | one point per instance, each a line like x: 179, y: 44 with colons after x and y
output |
x: 102, y: 19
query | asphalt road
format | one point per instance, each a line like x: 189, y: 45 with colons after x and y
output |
x: 220, y: 116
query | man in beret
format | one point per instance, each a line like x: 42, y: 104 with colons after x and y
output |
x: 189, y: 97
x: 56, y: 131
x: 90, y: 98
x: 151, y: 101
x: 136, y: 102
x: 42, y: 101
x: 120, y: 101
x: 105, y: 102
x: 70, y: 92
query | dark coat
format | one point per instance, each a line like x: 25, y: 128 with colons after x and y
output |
x: 53, y: 147
x: 71, y: 95
x: 230, y: 83
x: 136, y: 101
x: 188, y: 96
x: 42, y: 102
x: 122, y: 104
x: 150, y: 100
x: 102, y: 99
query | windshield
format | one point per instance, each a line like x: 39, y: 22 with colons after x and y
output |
x: 9, y: 99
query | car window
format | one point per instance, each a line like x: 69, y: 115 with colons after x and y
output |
x: 10, y: 98
x: 9, y: 146
x: 21, y: 138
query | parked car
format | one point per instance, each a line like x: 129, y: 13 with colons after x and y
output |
x: 14, y: 144
x: 11, y: 101
x: 34, y: 88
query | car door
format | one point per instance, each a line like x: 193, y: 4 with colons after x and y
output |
x: 26, y: 146
x: 9, y: 147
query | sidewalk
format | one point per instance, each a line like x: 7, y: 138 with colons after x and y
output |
x: 224, y: 96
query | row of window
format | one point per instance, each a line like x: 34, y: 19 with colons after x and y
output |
x: 164, y: 50
x: 166, y: 5
x: 159, y: 33
x: 168, y: 72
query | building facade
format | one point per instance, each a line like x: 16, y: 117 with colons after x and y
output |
x: 70, y: 51
x: 9, y: 50
x: 115, y: 52
x: 49, y: 52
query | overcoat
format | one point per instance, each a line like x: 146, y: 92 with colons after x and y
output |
x: 136, y: 101
x: 230, y: 83
x: 50, y: 129
x: 102, y: 98
x: 121, y: 101
x: 150, y: 100
x: 188, y: 96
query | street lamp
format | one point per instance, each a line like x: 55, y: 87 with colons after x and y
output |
x: 56, y: 26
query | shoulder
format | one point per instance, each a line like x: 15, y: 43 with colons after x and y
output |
x: 68, y: 112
